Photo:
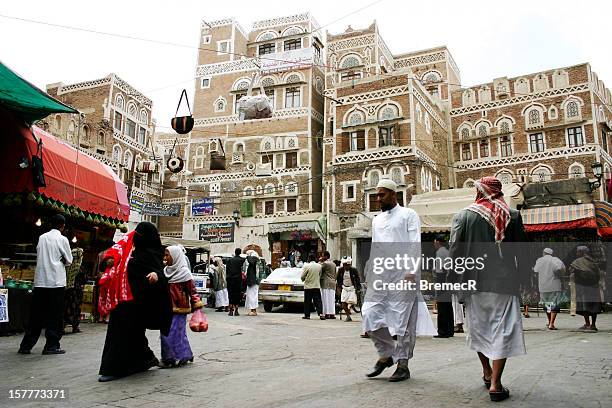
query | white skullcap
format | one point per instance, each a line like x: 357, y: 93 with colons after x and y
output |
x: 387, y: 183
x: 346, y: 260
x: 548, y: 251
x: 583, y: 248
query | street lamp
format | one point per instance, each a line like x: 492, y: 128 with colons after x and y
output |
x: 598, y: 173
x: 236, y: 216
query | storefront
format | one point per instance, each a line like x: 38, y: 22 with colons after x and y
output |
x: 303, y: 234
x: 43, y: 176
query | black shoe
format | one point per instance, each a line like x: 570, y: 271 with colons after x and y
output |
x: 231, y: 313
x: 236, y: 313
x: 497, y: 396
x: 365, y: 335
x: 22, y: 351
x: 401, y: 372
x: 54, y: 351
x: 322, y: 317
x: 441, y: 336
x: 107, y: 378
x: 220, y: 309
x: 380, y: 366
x: 306, y: 317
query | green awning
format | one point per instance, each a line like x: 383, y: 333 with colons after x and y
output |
x: 25, y: 100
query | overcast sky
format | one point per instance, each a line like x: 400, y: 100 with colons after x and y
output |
x: 488, y: 39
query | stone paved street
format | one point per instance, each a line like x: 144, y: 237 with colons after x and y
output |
x: 279, y: 360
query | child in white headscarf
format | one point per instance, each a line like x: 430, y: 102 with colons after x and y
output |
x: 175, y: 348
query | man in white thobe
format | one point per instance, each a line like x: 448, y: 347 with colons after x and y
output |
x: 550, y: 269
x: 390, y: 313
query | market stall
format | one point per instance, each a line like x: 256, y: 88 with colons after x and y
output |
x: 43, y: 176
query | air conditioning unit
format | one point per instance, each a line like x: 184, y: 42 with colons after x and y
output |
x: 147, y: 166
x: 263, y: 170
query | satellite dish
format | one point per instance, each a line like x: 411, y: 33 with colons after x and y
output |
x: 175, y: 164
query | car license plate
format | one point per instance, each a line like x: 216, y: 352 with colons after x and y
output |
x: 284, y: 287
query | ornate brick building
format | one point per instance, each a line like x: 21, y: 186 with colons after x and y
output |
x: 116, y: 127
x: 537, y: 127
x: 387, y: 115
x: 269, y: 195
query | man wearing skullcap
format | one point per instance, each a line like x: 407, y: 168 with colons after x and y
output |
x: 550, y: 269
x: 392, y: 314
x: 495, y: 329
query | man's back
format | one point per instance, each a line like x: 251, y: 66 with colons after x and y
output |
x: 234, y: 268
x: 312, y: 275
x: 328, y: 275
x: 53, y: 252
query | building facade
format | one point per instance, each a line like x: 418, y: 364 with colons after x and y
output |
x: 269, y: 195
x: 386, y: 116
x: 117, y: 128
x: 537, y: 127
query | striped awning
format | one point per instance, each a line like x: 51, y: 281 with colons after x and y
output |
x: 559, y: 213
x: 603, y: 214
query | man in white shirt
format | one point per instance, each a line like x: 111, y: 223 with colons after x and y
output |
x: 550, y: 269
x: 53, y: 255
x: 392, y: 313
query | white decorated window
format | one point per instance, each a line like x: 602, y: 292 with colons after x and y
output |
x: 465, y: 133
x: 572, y: 110
x: 117, y: 153
x: 397, y: 175
x: 388, y: 112
x: 576, y: 170
x: 534, y: 117
x: 505, y: 177
x: 205, y: 83
x: 373, y: 178
x: 198, y: 158
x: 540, y: 174
x: 356, y: 118
x: 350, y: 62
x: 119, y: 102
x: 427, y: 123
x: 293, y: 78
x: 220, y: 104
x: 483, y: 130
x: 504, y: 127
x: 132, y: 109
x: 127, y: 159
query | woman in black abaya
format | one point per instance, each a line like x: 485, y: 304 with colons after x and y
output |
x: 126, y: 349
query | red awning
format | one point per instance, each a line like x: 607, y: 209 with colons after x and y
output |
x: 72, y: 177
x: 560, y: 217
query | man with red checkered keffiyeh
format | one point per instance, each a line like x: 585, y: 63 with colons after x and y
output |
x: 487, y: 230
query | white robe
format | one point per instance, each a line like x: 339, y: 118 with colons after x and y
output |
x: 252, y: 294
x: 401, y: 227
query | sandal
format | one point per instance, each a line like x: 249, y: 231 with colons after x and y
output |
x: 526, y: 316
x: 552, y: 328
x: 497, y: 396
x: 583, y: 327
x: 487, y: 383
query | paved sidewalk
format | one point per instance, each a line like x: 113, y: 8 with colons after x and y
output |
x: 279, y: 360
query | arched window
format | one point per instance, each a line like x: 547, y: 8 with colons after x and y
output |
x: 259, y: 190
x: 291, y: 187
x: 427, y: 123
x: 373, y: 178
x: 220, y: 104
x: 119, y: 102
x: 144, y: 117
x: 572, y: 110
x: 132, y: 109
x: 465, y: 133
x: 350, y: 62
x: 86, y: 133
x: 388, y: 112
x: 534, y: 117
x: 469, y: 183
x: 292, y: 31
x: 248, y: 191
x: 243, y: 84
x: 117, y: 153
x: 431, y: 78
x: 101, y: 139
x: 419, y: 113
x: 70, y: 134
x: 482, y: 131
x: 213, y: 145
x: 504, y: 177
x: 270, y: 189
x: 127, y: 159
x: 504, y: 127
x: 553, y: 113
x: 198, y: 158
x: 397, y: 175
x: 541, y: 173
x: 268, y: 35
x: 267, y: 145
x: 355, y: 118
x: 293, y: 78
x: 58, y: 122
x: 269, y: 81
x: 576, y: 170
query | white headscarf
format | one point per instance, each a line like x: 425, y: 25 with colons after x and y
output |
x: 179, y: 270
